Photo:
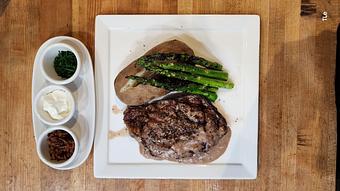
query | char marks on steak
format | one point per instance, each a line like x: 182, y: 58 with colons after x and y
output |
x: 181, y: 127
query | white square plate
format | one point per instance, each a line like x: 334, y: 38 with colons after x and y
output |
x: 232, y: 40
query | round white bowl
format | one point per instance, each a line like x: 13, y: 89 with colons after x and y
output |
x: 47, y: 63
x: 43, y: 115
x: 43, y: 149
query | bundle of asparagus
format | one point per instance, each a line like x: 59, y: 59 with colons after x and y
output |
x: 184, y: 73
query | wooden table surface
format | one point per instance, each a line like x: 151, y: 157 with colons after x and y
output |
x: 297, y: 136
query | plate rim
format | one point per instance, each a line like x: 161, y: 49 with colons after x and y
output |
x: 103, y: 27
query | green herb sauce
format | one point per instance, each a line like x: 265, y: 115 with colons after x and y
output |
x: 65, y: 64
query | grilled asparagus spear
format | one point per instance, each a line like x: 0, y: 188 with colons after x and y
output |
x: 172, y: 83
x: 185, y: 58
x: 185, y: 76
x: 189, y: 88
x: 172, y: 65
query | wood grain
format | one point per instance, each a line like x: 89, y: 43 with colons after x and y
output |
x: 297, y: 138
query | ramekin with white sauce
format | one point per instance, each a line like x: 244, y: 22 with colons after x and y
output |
x: 54, y: 105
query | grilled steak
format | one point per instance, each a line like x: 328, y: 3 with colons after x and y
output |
x: 181, y: 127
